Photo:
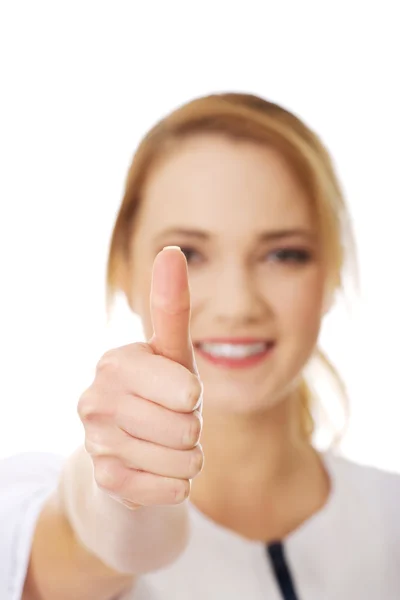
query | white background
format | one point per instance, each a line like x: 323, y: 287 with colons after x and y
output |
x: 82, y: 81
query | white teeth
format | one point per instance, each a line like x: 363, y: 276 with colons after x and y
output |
x: 233, y: 350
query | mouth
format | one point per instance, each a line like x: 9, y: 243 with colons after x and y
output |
x: 235, y: 353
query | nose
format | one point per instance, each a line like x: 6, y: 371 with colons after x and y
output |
x: 237, y: 298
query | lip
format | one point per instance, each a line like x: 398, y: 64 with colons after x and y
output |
x: 236, y: 363
x: 233, y: 340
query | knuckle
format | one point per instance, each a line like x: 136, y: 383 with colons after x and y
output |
x: 107, y: 476
x: 193, y: 393
x: 193, y: 430
x: 109, y: 363
x: 94, y: 404
x: 87, y: 406
x: 180, y: 491
x: 89, y: 447
x: 141, y: 347
x: 196, y: 461
x: 95, y: 447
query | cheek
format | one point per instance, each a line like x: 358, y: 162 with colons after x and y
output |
x: 298, y: 302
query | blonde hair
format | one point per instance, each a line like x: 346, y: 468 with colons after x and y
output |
x: 250, y: 118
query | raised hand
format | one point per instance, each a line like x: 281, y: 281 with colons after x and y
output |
x: 142, y: 413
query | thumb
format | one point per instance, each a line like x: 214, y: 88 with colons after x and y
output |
x: 170, y: 308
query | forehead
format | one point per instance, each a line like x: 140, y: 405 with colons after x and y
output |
x: 227, y: 186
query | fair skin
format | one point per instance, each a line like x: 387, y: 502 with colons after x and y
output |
x: 254, y: 271
x: 163, y: 442
x: 226, y: 203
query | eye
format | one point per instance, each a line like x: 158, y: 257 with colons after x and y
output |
x: 290, y: 255
x: 192, y: 256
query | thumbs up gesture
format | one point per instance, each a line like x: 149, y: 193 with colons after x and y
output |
x: 142, y: 413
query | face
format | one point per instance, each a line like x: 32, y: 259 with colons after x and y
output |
x: 255, y: 271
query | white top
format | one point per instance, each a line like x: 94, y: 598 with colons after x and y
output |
x: 350, y: 550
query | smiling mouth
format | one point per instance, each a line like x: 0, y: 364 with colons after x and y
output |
x: 235, y: 354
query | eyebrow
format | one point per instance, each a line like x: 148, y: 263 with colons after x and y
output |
x: 265, y: 236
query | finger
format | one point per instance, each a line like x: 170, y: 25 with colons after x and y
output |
x: 153, y: 423
x: 138, y: 487
x: 166, y: 383
x: 145, y: 456
x: 170, y: 308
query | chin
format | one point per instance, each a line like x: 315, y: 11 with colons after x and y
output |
x: 251, y: 389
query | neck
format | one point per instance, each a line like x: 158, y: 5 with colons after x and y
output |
x: 256, y: 463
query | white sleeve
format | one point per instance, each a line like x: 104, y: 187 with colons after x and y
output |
x: 26, y: 481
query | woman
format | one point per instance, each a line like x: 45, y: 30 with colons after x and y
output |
x: 249, y: 195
